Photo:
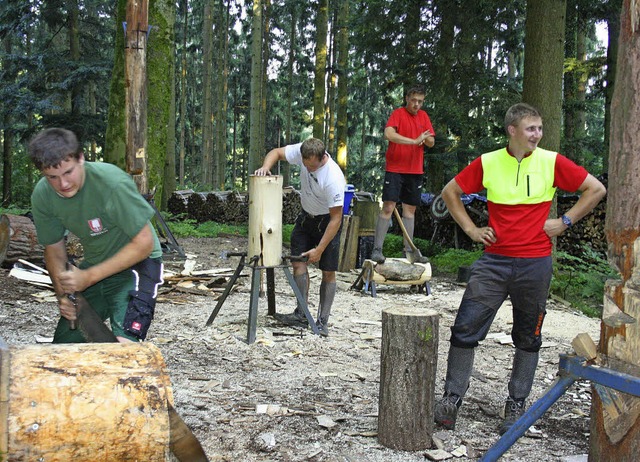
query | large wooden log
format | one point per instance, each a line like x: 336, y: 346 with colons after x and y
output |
x: 621, y: 343
x: 396, y: 271
x: 408, y: 366
x: 84, y: 402
x: 18, y: 239
x: 265, y: 219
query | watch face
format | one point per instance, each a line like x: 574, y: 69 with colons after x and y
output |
x: 566, y: 220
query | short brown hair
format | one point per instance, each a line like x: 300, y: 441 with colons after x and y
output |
x: 52, y: 146
x: 415, y: 90
x: 517, y: 112
x: 312, y: 147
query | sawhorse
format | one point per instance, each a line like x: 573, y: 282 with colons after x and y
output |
x: 571, y: 368
x: 255, y: 294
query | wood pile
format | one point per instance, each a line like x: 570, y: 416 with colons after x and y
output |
x: 227, y: 207
x: 177, y: 203
x: 590, y: 230
x: 291, y: 205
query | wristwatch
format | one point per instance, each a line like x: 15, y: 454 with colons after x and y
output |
x: 567, y: 221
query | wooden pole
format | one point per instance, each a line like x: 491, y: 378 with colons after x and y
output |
x: 408, y: 367
x: 617, y: 437
x: 136, y: 91
x: 84, y: 402
x: 265, y: 219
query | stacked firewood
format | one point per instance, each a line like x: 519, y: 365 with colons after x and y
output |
x: 588, y: 231
x: 228, y: 207
x: 291, y: 205
x: 236, y: 208
x: 177, y: 203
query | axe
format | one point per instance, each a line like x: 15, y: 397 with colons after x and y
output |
x: 415, y: 253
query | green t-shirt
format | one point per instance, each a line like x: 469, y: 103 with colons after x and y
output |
x: 105, y: 214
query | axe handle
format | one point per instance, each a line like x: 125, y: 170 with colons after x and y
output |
x: 72, y: 322
x: 404, y: 231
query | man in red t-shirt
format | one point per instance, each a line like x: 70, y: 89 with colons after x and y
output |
x: 521, y: 181
x: 408, y: 130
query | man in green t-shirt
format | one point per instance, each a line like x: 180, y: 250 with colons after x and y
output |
x: 100, y: 204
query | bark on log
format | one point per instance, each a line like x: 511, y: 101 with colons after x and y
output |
x: 408, y: 367
x: 398, y: 271
x: 621, y: 344
x: 18, y: 239
x: 84, y: 402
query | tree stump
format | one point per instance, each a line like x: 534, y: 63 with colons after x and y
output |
x: 408, y: 367
x: 18, y: 239
x: 84, y: 402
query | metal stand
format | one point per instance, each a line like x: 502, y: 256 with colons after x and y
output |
x: 255, y: 293
x: 365, y: 283
x: 571, y: 368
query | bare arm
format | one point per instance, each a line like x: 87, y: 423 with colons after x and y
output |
x: 592, y: 192
x: 270, y: 160
x: 451, y: 195
x: 139, y: 248
x: 426, y: 138
x: 335, y: 219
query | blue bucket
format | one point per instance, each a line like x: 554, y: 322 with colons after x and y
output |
x: 348, y: 196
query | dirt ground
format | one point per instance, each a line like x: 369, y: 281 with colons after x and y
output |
x: 292, y: 396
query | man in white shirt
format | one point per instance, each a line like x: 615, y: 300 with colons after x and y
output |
x: 316, y: 231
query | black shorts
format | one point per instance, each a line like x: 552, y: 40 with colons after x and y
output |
x: 307, y: 233
x: 402, y: 187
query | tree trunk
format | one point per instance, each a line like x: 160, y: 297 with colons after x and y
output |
x: 136, y: 92
x: 613, y: 30
x: 255, y: 145
x: 621, y: 343
x: 18, y: 239
x: 343, y: 80
x: 286, y: 170
x: 161, y: 133
x: 408, y: 366
x: 322, y: 20
x: 543, y: 65
x: 183, y: 92
x: 57, y: 399
x: 207, y: 111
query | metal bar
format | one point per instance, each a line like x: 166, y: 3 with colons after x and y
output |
x: 253, y: 305
x: 610, y: 378
x: 521, y: 425
x: 271, y: 292
x: 226, y: 292
x: 301, y: 300
x: 571, y: 368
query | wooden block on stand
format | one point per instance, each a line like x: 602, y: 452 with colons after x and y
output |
x: 349, y: 243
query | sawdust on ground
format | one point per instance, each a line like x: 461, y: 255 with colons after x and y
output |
x: 292, y: 396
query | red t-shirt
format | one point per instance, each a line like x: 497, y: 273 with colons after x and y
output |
x: 519, y: 228
x: 407, y: 158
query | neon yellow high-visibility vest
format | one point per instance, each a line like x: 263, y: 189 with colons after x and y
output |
x: 510, y: 182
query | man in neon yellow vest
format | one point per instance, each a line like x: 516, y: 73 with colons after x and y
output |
x: 520, y: 180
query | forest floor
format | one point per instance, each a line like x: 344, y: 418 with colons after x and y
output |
x: 294, y: 396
